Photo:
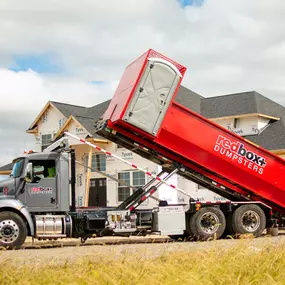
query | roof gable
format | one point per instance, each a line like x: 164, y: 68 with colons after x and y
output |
x: 46, y: 107
x: 70, y: 120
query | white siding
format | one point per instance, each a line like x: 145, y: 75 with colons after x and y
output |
x: 175, y: 197
x: 244, y: 126
x: 76, y: 129
x: 262, y: 122
x: 49, y: 123
x: 80, y: 151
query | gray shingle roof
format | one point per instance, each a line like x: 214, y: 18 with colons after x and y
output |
x: 189, y: 99
x: 272, y: 138
x: 229, y: 105
x: 86, y: 116
x: 88, y: 124
x: 268, y: 107
x: 239, y: 104
x: 68, y: 109
x: 7, y: 167
x: 97, y: 111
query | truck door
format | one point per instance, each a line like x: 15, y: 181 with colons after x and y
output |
x: 153, y: 95
x: 42, y: 191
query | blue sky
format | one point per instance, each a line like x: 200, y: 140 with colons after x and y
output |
x: 186, y: 3
x: 43, y: 63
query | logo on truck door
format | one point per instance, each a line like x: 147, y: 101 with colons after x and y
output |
x: 41, y: 190
x: 237, y: 152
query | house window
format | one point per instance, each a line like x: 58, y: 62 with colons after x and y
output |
x: 46, y: 141
x: 98, y: 162
x: 133, y: 178
x: 124, y: 192
x: 138, y: 178
x: 60, y: 123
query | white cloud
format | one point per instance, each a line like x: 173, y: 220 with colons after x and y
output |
x: 24, y: 94
x: 29, y: 91
x: 228, y: 46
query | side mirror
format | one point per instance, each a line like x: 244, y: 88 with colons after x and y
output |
x: 29, y: 172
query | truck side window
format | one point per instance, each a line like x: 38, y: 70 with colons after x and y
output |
x: 43, y: 168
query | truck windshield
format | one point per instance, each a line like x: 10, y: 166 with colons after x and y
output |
x: 18, y: 168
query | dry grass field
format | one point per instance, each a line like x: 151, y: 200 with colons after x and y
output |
x: 246, y: 261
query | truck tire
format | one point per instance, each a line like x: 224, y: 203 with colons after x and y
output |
x: 13, y: 230
x: 207, y: 223
x: 249, y: 219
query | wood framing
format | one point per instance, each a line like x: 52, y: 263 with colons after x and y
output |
x: 5, y: 172
x: 102, y: 141
x: 278, y: 151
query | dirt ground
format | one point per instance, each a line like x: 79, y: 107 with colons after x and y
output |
x: 68, y: 251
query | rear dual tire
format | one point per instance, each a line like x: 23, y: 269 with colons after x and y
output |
x: 207, y: 223
x: 248, y: 219
x: 210, y: 222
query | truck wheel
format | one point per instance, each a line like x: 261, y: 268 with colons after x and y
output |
x: 13, y: 230
x: 208, y: 222
x: 249, y: 219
